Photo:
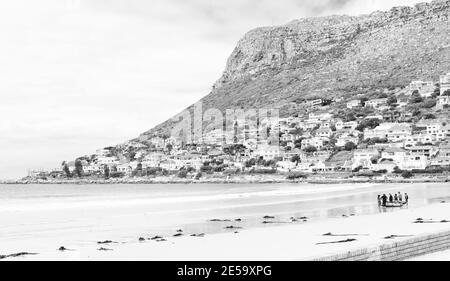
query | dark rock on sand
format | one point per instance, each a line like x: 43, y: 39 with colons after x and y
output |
x: 219, y: 220
x: 17, y: 255
x: 337, y: 242
x: 156, y: 238
x: 141, y: 239
x: 232, y: 227
x: 268, y: 217
x: 104, y: 249
x: 178, y: 235
x: 396, y: 236
x: 198, y: 235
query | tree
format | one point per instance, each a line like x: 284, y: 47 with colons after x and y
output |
x: 429, y: 103
x: 416, y: 97
x: 349, y: 146
x: 295, y: 159
x: 78, y: 168
x: 310, y: 149
x: 106, y: 171
x: 407, y: 174
x: 430, y: 116
x: 368, y: 123
x: 66, y: 170
x: 392, y: 100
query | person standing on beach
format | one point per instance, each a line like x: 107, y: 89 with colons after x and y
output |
x: 379, y: 200
x: 391, y: 198
x: 396, y: 197
x: 400, y: 197
x: 406, y: 198
x: 384, y: 199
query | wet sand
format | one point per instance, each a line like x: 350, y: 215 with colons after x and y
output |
x: 209, y: 224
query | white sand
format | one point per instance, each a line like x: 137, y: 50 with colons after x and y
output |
x: 286, y: 242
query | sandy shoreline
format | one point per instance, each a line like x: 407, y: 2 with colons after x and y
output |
x: 255, y: 179
x: 301, y: 240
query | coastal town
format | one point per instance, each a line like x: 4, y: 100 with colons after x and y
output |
x: 402, y: 131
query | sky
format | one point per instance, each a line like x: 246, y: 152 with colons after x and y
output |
x: 78, y: 75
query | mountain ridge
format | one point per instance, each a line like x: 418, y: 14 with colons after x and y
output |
x: 335, y: 55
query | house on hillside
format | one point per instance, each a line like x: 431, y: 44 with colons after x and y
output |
x: 442, y: 159
x: 353, y: 103
x: 375, y: 103
x: 445, y: 83
x: 424, y: 88
x: 399, y: 132
x: 443, y: 102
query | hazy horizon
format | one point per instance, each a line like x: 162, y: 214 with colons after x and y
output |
x: 77, y: 75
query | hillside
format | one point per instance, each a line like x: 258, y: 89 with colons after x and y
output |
x: 333, y: 56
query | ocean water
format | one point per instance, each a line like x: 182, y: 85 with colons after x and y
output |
x: 28, y: 211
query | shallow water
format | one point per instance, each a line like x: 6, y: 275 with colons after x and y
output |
x: 39, y: 210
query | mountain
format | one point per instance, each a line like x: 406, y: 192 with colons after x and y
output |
x: 335, y: 56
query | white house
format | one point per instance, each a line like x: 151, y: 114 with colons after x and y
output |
x: 343, y: 140
x: 375, y: 103
x: 394, y: 153
x: 316, y: 142
x: 324, y: 132
x: 445, y: 83
x: 399, y: 132
x: 379, y: 132
x: 414, y: 162
x: 346, y: 125
x: 364, y: 157
x: 443, y: 102
x: 109, y: 161
x: 425, y: 88
x: 319, y: 117
x: 353, y: 103
x: 418, y: 139
x: 442, y: 159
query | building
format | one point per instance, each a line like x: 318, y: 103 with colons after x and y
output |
x: 108, y: 161
x: 445, y: 83
x: 442, y: 159
x: 394, y: 153
x: 353, y: 103
x: 343, y: 140
x: 268, y: 152
x: 319, y: 117
x: 346, y: 125
x: 399, y: 132
x: 316, y: 142
x: 414, y: 162
x: 385, y: 165
x: 375, y: 103
x: 379, y: 132
x: 419, y: 139
x: 423, y: 150
x: 443, y: 102
x: 324, y: 132
x: 425, y: 88
x: 365, y: 157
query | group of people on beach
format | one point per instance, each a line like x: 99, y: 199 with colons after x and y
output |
x: 396, y: 198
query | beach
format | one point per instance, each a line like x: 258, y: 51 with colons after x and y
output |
x: 209, y: 222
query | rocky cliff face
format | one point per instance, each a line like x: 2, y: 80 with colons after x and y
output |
x: 337, y: 55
